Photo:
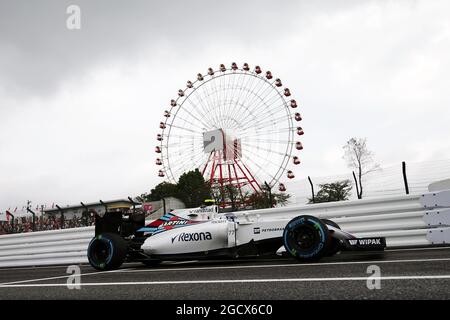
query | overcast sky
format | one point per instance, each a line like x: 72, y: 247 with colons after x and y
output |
x: 80, y: 109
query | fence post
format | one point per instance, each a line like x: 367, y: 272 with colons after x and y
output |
x: 12, y: 221
x: 312, y: 189
x: 34, y: 218
x: 356, y: 184
x: 62, y: 216
x: 405, y: 180
x: 164, y: 205
x: 134, y: 205
x: 270, y: 193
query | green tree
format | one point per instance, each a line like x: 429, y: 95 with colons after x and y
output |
x: 281, y: 198
x: 261, y: 199
x: 335, y: 191
x: 162, y: 190
x: 193, y: 189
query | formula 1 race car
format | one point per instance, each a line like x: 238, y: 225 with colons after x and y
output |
x: 203, y: 233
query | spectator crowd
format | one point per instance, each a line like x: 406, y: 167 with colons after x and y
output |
x: 52, y: 222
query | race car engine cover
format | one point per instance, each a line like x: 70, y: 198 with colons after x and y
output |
x: 201, y: 237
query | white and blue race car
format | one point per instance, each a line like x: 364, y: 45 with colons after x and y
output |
x: 204, y: 233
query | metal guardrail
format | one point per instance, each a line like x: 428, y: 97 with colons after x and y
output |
x: 405, y: 221
x: 67, y: 246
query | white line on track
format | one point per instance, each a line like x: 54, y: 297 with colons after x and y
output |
x: 58, y: 277
x: 231, y: 267
x: 417, y: 249
x: 133, y: 263
x: 95, y: 284
x: 41, y: 267
x: 286, y: 265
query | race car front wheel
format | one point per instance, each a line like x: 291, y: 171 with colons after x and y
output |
x: 306, y: 238
x: 107, y: 251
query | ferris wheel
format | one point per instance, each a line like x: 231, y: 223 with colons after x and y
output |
x: 238, y: 126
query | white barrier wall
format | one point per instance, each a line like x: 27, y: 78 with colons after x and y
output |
x: 67, y: 246
x: 405, y: 221
x: 409, y: 220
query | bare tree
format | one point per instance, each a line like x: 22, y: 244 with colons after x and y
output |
x: 360, y: 158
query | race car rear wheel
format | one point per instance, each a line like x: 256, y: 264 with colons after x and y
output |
x: 107, y: 251
x: 335, y: 244
x: 306, y: 238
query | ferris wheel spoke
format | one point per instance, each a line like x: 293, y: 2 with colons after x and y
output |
x: 268, y: 140
x: 252, y: 95
x: 264, y: 149
x: 260, y: 99
x: 251, y: 107
x: 185, y: 119
x: 276, y: 109
x: 259, y: 94
x: 237, y: 92
x: 204, y: 97
x: 215, y: 97
x: 250, y: 90
x: 247, y: 91
x: 185, y: 165
x: 270, y: 92
x: 261, y: 106
x: 216, y: 110
x: 230, y: 84
x: 229, y: 98
x: 187, y: 150
x: 263, y: 109
x: 260, y: 169
x: 275, y: 131
x: 188, y: 136
x: 208, y: 95
x: 201, y: 104
x: 192, y: 166
x: 184, y: 147
x: 258, y: 156
x: 184, y: 128
x: 205, y: 106
x: 270, y: 122
x: 274, y: 98
x: 191, y: 115
x: 234, y: 106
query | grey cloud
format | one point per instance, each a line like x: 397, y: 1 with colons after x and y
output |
x: 37, y: 51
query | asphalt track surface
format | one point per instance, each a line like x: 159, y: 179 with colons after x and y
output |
x: 404, y: 274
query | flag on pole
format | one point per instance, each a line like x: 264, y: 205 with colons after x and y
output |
x: 147, y: 207
x: 8, y: 215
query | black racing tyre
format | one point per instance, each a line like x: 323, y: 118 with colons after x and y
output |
x: 335, y: 244
x: 107, y: 251
x: 306, y: 238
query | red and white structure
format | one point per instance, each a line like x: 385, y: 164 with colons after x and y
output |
x: 238, y: 125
